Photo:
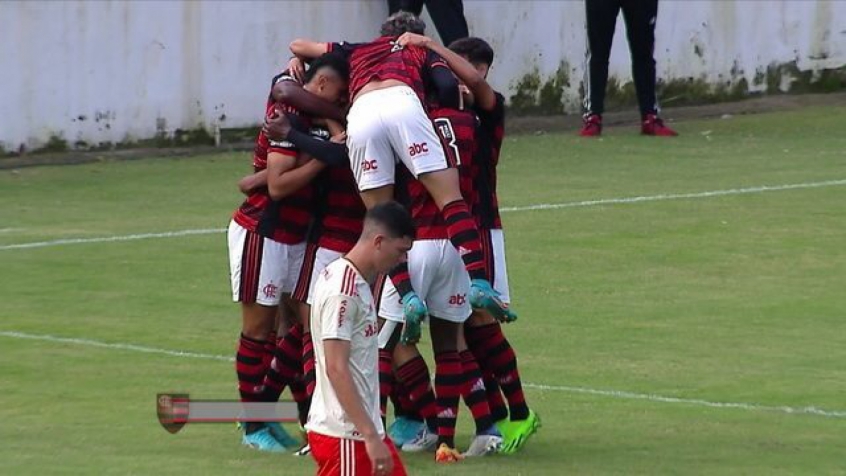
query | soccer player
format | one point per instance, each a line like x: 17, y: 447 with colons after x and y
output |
x: 344, y: 426
x: 387, y: 120
x: 438, y: 275
x: 471, y: 59
x: 266, y: 245
x: 338, y: 216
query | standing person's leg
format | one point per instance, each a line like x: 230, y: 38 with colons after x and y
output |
x: 413, y: 6
x: 393, y: 6
x: 601, y: 20
x: 449, y: 20
x: 640, y: 17
x: 254, y: 267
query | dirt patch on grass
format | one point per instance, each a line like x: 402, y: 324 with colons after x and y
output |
x: 515, y: 125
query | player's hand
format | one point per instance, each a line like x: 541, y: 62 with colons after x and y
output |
x: 380, y: 456
x: 245, y: 185
x: 278, y: 126
x: 413, y: 39
x: 339, y: 138
x: 297, y: 69
x: 467, y: 97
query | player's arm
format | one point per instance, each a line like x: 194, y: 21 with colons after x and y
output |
x: 483, y: 93
x: 443, y: 82
x: 296, y: 178
x: 308, y: 49
x: 331, y: 153
x: 252, y: 182
x: 338, y: 370
x: 293, y: 94
x: 336, y: 331
x: 279, y: 164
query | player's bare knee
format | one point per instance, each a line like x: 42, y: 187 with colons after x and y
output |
x: 444, y: 335
x: 257, y: 321
x: 480, y: 317
x: 442, y: 185
x: 404, y: 353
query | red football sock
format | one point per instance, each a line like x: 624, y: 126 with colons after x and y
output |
x: 464, y: 235
x: 474, y: 393
x: 448, y: 383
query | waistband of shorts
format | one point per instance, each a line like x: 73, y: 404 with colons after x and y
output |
x: 399, y: 90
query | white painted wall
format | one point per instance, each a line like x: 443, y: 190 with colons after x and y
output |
x: 109, y: 70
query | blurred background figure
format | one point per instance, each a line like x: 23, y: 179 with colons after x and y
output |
x: 640, y: 17
x: 447, y: 15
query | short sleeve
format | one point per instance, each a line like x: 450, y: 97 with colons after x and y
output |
x: 336, y: 317
x: 434, y: 60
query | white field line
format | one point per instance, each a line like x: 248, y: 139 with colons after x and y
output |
x: 105, y: 239
x: 809, y: 410
x: 675, y: 196
x: 540, y: 206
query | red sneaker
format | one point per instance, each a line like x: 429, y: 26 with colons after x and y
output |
x: 592, y: 126
x: 652, y: 125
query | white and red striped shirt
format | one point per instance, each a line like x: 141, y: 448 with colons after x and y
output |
x: 344, y: 309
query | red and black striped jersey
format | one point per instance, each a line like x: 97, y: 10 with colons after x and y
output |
x: 457, y: 132
x: 490, y: 132
x: 286, y: 220
x: 383, y: 59
x: 338, y: 209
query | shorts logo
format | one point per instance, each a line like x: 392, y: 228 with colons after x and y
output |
x: 371, y: 330
x: 270, y: 290
x: 369, y: 165
x: 458, y: 300
x: 417, y: 149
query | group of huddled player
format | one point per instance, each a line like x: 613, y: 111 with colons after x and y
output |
x: 325, y: 173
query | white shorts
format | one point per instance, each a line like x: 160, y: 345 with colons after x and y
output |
x: 493, y: 248
x: 315, y: 261
x: 386, y: 125
x: 261, y: 270
x: 439, y: 278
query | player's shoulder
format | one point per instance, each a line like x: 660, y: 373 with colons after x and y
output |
x: 342, y: 278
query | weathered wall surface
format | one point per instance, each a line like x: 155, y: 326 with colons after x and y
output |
x: 93, y: 72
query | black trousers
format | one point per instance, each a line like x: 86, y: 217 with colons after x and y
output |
x: 640, y: 16
x: 448, y: 16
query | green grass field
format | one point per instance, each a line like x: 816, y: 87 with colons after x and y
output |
x: 733, y: 298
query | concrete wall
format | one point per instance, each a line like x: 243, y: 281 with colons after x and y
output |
x: 102, y: 71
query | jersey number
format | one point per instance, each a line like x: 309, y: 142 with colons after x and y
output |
x: 447, y: 134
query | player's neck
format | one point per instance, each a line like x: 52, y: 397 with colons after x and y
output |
x: 364, y: 266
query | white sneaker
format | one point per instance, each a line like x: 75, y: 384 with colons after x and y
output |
x: 424, y: 441
x: 305, y: 450
x: 483, y: 445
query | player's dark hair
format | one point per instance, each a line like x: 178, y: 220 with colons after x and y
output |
x: 334, y: 61
x: 476, y: 50
x: 402, y: 22
x: 393, y: 218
